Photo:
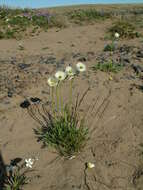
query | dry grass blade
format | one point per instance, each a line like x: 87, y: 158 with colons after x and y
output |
x: 100, y: 111
x: 31, y: 112
x: 83, y: 96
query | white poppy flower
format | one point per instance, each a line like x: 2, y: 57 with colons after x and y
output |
x: 90, y: 165
x: 52, y: 81
x: 29, y: 162
x: 117, y: 35
x: 60, y: 75
x: 80, y: 67
x: 70, y: 71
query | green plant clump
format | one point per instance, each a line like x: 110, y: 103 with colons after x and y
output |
x: 108, y: 67
x: 110, y: 47
x: 64, y: 133
x: 125, y: 29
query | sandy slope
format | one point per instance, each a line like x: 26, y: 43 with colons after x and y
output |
x: 115, y: 138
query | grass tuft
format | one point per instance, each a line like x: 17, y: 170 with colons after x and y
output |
x: 65, y: 133
x: 108, y: 66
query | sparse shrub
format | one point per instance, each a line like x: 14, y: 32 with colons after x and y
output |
x: 40, y: 21
x: 58, y: 21
x: 19, y: 21
x: 124, y: 28
x: 108, y: 66
x: 87, y: 15
x: 9, y: 34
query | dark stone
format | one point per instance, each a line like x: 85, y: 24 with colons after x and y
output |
x: 125, y: 48
x: 35, y: 100
x: 75, y: 55
x: 9, y: 94
x: 61, y: 62
x: 139, y: 54
x: 130, y: 77
x: 125, y: 60
x: 23, y: 65
x: 15, y: 161
x: 140, y: 87
x: 49, y: 60
x: 72, y: 45
x: 13, y: 60
x: 82, y: 59
x: 137, y: 68
x: 25, y: 104
x: 90, y: 53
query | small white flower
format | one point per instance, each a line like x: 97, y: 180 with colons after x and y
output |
x: 90, y: 165
x: 117, y: 35
x: 80, y: 67
x: 60, y: 75
x: 52, y: 81
x: 70, y: 71
x: 29, y: 162
x: 7, y: 19
x: 72, y: 157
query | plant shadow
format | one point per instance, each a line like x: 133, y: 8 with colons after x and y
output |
x: 3, y: 173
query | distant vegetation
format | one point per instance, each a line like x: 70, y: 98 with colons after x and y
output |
x: 125, y: 28
x: 17, y: 23
x: 87, y: 15
x: 13, y: 22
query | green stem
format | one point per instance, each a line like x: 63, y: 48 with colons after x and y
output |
x: 52, y: 95
x: 57, y: 99
x: 61, y: 99
x: 70, y: 95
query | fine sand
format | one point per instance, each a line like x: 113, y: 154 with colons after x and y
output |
x: 114, y: 144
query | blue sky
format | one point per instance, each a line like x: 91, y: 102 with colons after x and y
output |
x: 50, y: 3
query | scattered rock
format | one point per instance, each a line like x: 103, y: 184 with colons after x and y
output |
x: 23, y: 65
x: 61, y: 62
x: 76, y: 55
x: 9, y: 94
x: 82, y: 59
x: 125, y: 60
x: 35, y: 100
x: 125, y: 49
x: 25, y: 104
x: 47, y: 60
x: 139, y: 54
x: 137, y: 68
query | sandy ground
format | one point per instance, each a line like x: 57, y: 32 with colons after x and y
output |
x: 114, y: 137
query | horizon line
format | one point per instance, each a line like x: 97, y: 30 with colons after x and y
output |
x: 69, y: 5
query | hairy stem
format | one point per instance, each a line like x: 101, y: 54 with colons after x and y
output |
x: 70, y: 91
x: 52, y: 97
x: 57, y: 99
x: 61, y: 99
